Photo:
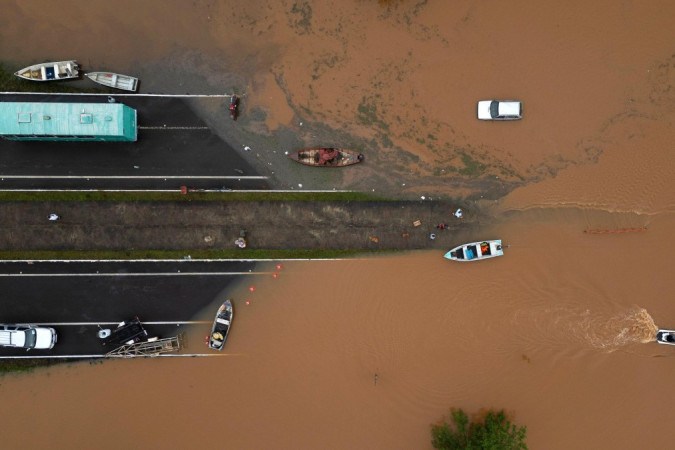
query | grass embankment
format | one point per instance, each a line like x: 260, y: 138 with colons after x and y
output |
x: 189, y: 197
x: 24, y: 365
x: 192, y: 196
x: 238, y: 254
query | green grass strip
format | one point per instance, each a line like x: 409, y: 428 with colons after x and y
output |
x: 78, y: 196
x: 24, y: 365
x: 186, y: 254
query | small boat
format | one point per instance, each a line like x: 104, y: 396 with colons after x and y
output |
x: 665, y: 337
x: 221, y: 326
x: 50, y: 71
x: 114, y: 80
x: 476, y: 251
x: 326, y: 157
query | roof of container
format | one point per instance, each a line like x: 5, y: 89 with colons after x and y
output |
x: 62, y: 119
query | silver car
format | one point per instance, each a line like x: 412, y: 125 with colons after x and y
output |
x: 27, y: 336
x: 500, y: 110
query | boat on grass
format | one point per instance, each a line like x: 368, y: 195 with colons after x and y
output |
x: 50, y: 71
x: 114, y: 80
x: 326, y: 157
x: 221, y: 326
x: 475, y: 251
x: 665, y: 337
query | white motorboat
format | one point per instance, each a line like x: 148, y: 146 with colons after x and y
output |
x: 50, y: 71
x: 665, y: 337
x: 114, y: 80
x: 475, y: 251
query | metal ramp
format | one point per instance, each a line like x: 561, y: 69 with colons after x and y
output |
x: 147, y: 348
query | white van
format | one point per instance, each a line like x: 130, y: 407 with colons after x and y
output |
x: 27, y: 336
x: 500, y: 110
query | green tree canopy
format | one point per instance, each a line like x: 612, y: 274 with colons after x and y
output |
x: 493, y: 432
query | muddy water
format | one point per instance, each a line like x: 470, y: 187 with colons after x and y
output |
x: 410, y: 72
x: 368, y: 353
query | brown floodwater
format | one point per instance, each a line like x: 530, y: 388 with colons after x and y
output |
x: 368, y: 353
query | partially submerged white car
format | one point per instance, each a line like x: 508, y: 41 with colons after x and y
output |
x: 27, y: 336
x: 500, y: 110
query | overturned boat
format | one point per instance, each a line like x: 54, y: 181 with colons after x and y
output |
x: 50, y: 71
x: 475, y: 251
x: 665, y: 337
x: 221, y: 326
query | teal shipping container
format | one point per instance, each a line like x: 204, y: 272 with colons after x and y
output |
x: 108, y: 122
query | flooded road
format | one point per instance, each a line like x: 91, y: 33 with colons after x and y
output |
x: 368, y: 353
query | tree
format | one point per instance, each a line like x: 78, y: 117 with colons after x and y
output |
x: 492, y: 432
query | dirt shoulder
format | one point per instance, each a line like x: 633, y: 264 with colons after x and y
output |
x: 215, y: 225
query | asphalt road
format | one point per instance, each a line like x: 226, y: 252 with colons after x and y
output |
x: 174, y: 148
x: 76, y: 297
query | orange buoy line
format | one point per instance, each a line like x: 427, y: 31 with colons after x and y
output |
x: 615, y: 231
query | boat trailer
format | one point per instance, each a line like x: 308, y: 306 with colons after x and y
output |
x: 150, y: 348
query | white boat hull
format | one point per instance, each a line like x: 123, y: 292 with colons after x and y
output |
x: 666, y: 337
x: 114, y: 80
x: 476, y: 251
x: 50, y: 71
x: 221, y: 326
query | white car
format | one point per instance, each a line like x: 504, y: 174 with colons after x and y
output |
x: 27, y: 336
x: 500, y: 110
